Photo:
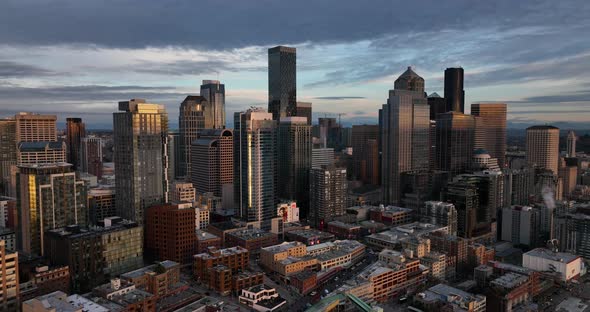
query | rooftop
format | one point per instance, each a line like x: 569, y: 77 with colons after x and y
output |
x: 446, y: 293
x: 310, y: 233
x: 249, y: 234
x: 282, y: 247
x: 510, y: 280
x: 550, y: 255
x: 202, y: 235
x: 222, y: 252
x: 167, y: 264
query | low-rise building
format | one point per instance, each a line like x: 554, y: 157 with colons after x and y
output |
x: 392, y: 238
x: 446, y: 298
x: 206, y: 240
x: 569, y: 266
x: 125, y: 295
x: 309, y: 236
x: 44, y: 280
x: 60, y: 301
x: 344, y: 230
x: 158, y: 279
x: 252, y: 239
x: 262, y: 298
x: 508, y: 291
x: 9, y: 238
x: 304, y: 281
x: 391, y: 215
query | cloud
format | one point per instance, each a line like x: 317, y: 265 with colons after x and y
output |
x: 339, y: 98
x: 10, y: 69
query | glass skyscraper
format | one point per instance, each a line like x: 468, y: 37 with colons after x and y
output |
x: 214, y: 93
x: 282, y: 82
x: 454, y: 93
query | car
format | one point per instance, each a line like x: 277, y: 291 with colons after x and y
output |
x: 313, y: 293
x: 403, y: 299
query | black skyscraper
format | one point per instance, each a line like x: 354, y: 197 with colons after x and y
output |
x: 454, y: 93
x: 282, y: 82
x: 438, y: 105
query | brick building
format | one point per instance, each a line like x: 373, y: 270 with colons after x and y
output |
x: 170, y: 232
x: 252, y: 239
x: 206, y: 240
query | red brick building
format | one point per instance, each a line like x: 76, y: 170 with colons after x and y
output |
x: 304, y: 281
x: 252, y: 239
x: 170, y: 233
x: 206, y: 240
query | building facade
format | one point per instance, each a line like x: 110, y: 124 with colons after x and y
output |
x: 212, y: 162
x: 75, y: 131
x: 282, y: 82
x: 542, y: 147
x: 490, y: 131
x: 328, y: 188
x: 214, y: 92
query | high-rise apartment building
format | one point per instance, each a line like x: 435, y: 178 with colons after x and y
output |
x: 91, y: 156
x: 138, y: 129
x: 214, y: 92
x: 454, y: 93
x: 174, y: 155
x: 212, y: 162
x: 191, y: 120
x: 304, y: 110
x: 49, y: 196
x: 454, y: 141
x: 405, y: 133
x: 170, y: 233
x: 542, y: 147
x: 519, y: 186
x: 9, y: 290
x: 35, y: 128
x: 101, y: 203
x: 521, y: 225
x: 322, y: 157
x: 7, y: 154
x: 365, y: 153
x: 282, y: 82
x: 328, y: 188
x: 32, y: 153
x: 294, y: 160
x: 490, y: 129
x: 75, y: 131
x: 255, y: 163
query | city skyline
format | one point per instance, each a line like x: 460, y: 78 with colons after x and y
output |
x: 511, y: 60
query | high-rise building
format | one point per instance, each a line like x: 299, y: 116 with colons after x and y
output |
x: 212, y: 162
x: 571, y: 143
x: 322, y: 157
x: 568, y: 173
x: 7, y: 153
x: 294, y: 160
x: 138, y: 157
x: 304, y: 110
x: 32, y: 153
x: 282, y: 82
x: 101, y: 203
x: 521, y: 225
x: 174, y: 155
x: 330, y: 133
x: 365, y: 153
x: 542, y: 147
x: 91, y: 156
x: 35, y: 128
x: 191, y: 120
x: 440, y: 213
x: 254, y: 165
x: 437, y: 104
x: 214, y: 92
x: 572, y: 231
x: 75, y: 131
x: 182, y: 192
x: 490, y: 129
x: 519, y: 186
x: 49, y: 196
x: 9, y: 287
x: 454, y: 93
x: 170, y: 233
x: 454, y: 141
x: 405, y: 133
x: 466, y: 200
x: 328, y: 188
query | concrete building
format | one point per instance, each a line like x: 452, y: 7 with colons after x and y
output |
x: 328, y: 187
x: 44, y: 280
x: 262, y: 298
x: 158, y: 279
x: 33, y: 153
x: 542, y: 147
x: 567, y: 265
x: 170, y: 233
x: 9, y: 284
x: 322, y: 157
x: 75, y: 131
x: 282, y: 82
x: 444, y: 297
x: 252, y: 239
x: 91, y: 156
x: 365, y: 153
x: 288, y: 211
x: 138, y: 142
x: 404, y: 125
x: 572, y: 231
x: 391, y: 215
x: 391, y: 239
x: 182, y: 192
x: 521, y: 225
x: 455, y: 133
x: 101, y: 203
x: 440, y: 213
x: 304, y: 110
x: 212, y: 163
x: 571, y: 143
x: 309, y: 236
x: 35, y: 127
x: 60, y: 301
x: 490, y: 129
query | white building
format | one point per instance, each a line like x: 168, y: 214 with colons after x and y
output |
x: 288, y: 211
x: 262, y: 298
x: 544, y: 260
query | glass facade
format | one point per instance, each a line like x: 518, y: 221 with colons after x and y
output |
x: 282, y: 82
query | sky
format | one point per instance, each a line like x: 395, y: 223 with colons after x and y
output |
x: 79, y: 58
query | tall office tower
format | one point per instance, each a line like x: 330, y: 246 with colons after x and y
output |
x: 282, y: 82
x: 437, y: 104
x: 138, y: 157
x: 416, y: 188
x: 7, y: 154
x: 328, y: 188
x: 405, y: 130
x: 166, y: 153
x: 330, y: 133
x: 49, y: 196
x: 489, y: 186
x: 568, y: 172
x: 75, y: 131
x: 254, y: 165
x: 571, y: 143
x: 572, y: 231
x: 365, y: 153
x: 439, y: 213
x: 91, y: 156
x: 490, y: 130
x: 521, y: 225
x: 466, y: 200
x: 304, y: 110
x: 35, y: 128
x: 191, y: 120
x: 322, y: 157
x: 174, y: 155
x: 9, y: 287
x: 454, y: 141
x: 432, y: 145
x: 454, y: 93
x: 212, y: 162
x: 294, y: 161
x: 542, y: 147
x: 519, y: 186
x: 214, y: 92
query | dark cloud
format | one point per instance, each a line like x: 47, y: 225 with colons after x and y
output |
x: 10, y: 69
x: 338, y: 98
x: 579, y: 96
x: 187, y: 67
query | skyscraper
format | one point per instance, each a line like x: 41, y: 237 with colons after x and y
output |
x: 454, y: 141
x: 282, y: 82
x: 294, y: 161
x: 212, y: 162
x: 454, y: 93
x: 365, y: 153
x: 571, y: 143
x: 542, y: 147
x: 490, y: 130
x: 91, y: 156
x: 437, y: 104
x: 304, y: 110
x: 330, y: 133
x: 328, y: 188
x: 138, y: 157
x: 464, y: 196
x: 191, y: 120
x: 254, y: 170
x: 7, y: 154
x: 75, y: 131
x: 35, y: 128
x: 49, y: 196
x: 214, y: 92
x: 405, y: 133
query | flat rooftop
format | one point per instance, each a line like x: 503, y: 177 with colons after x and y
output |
x: 550, y: 255
x: 510, y: 280
x: 282, y: 247
x: 310, y: 233
x: 446, y: 293
x: 250, y: 234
